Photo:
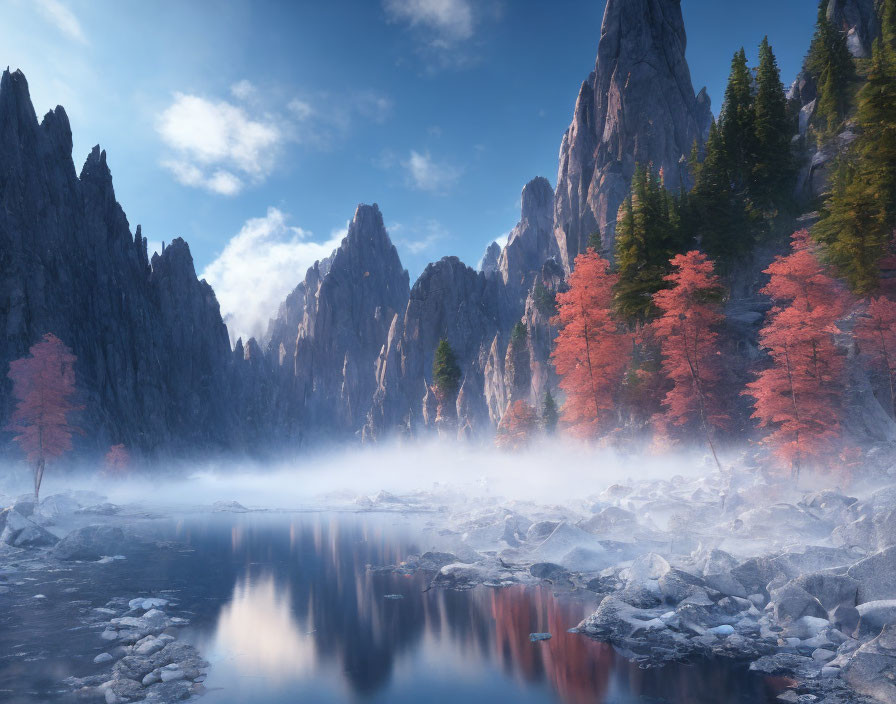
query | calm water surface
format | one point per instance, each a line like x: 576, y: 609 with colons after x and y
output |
x: 285, y: 609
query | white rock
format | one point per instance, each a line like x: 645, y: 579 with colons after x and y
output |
x: 723, y: 630
x: 823, y: 655
x: 103, y: 657
x: 171, y: 675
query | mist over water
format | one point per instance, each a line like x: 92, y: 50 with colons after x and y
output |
x: 555, y: 472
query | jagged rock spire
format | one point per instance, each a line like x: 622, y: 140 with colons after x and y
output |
x: 638, y: 105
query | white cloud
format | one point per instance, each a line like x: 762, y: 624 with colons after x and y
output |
x: 242, y: 90
x: 216, y: 143
x: 259, y: 266
x: 449, y: 20
x: 300, y: 108
x: 63, y: 18
x: 427, y: 175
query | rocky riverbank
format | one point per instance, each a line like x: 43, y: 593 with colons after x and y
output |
x: 143, y: 659
x: 798, y: 583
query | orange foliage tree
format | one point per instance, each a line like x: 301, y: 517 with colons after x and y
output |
x: 876, y: 333
x: 517, y: 426
x: 117, y: 460
x: 690, y: 311
x: 798, y: 396
x: 43, y: 385
x: 592, y: 349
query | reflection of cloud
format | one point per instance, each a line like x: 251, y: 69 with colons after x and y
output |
x: 259, y: 635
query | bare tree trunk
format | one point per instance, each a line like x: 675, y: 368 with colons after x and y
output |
x: 38, y: 477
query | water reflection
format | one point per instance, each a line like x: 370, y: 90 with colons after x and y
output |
x: 306, y: 615
x: 257, y: 633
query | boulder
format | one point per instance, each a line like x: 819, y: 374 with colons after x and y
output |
x: 561, y: 542
x: 25, y: 505
x: 846, y: 618
x: 875, y: 576
x: 756, y: 573
x: 717, y: 561
x: 831, y: 590
x: 92, y: 543
x: 540, y: 530
x: 611, y: 521
x: 875, y: 615
x: 57, y: 505
x: 725, y: 583
x: 872, y: 523
x: 872, y: 668
x: 21, y: 532
x: 549, y: 571
x: 647, y: 567
x: 792, y: 602
x: 676, y: 585
x: 615, y: 618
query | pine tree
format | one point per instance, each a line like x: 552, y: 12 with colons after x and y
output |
x: 859, y: 216
x: 772, y: 177
x: 445, y: 372
x: 549, y: 415
x: 649, y: 231
x: 737, y: 122
x: 720, y: 214
x: 830, y: 64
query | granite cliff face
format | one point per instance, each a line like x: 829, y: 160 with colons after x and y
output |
x: 449, y: 300
x: 153, y: 356
x: 637, y: 106
x: 332, y: 326
x: 860, y: 20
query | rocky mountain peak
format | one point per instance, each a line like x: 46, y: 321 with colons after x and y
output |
x: 537, y: 198
x: 16, y: 110
x: 637, y: 106
x: 95, y: 168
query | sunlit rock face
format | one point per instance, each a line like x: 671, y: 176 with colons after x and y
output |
x: 153, y: 364
x: 859, y: 20
x: 331, y: 329
x: 637, y: 106
x: 449, y: 300
x: 529, y: 245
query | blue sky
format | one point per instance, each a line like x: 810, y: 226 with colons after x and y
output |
x: 253, y: 129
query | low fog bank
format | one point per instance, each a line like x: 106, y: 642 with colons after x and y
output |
x: 558, y: 472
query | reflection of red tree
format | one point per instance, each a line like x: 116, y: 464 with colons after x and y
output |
x: 578, y: 668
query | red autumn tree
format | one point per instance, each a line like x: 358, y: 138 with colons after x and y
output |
x: 118, y: 460
x: 592, y: 349
x: 43, y: 385
x: 517, y: 427
x: 690, y: 312
x: 798, y: 396
x: 876, y: 333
